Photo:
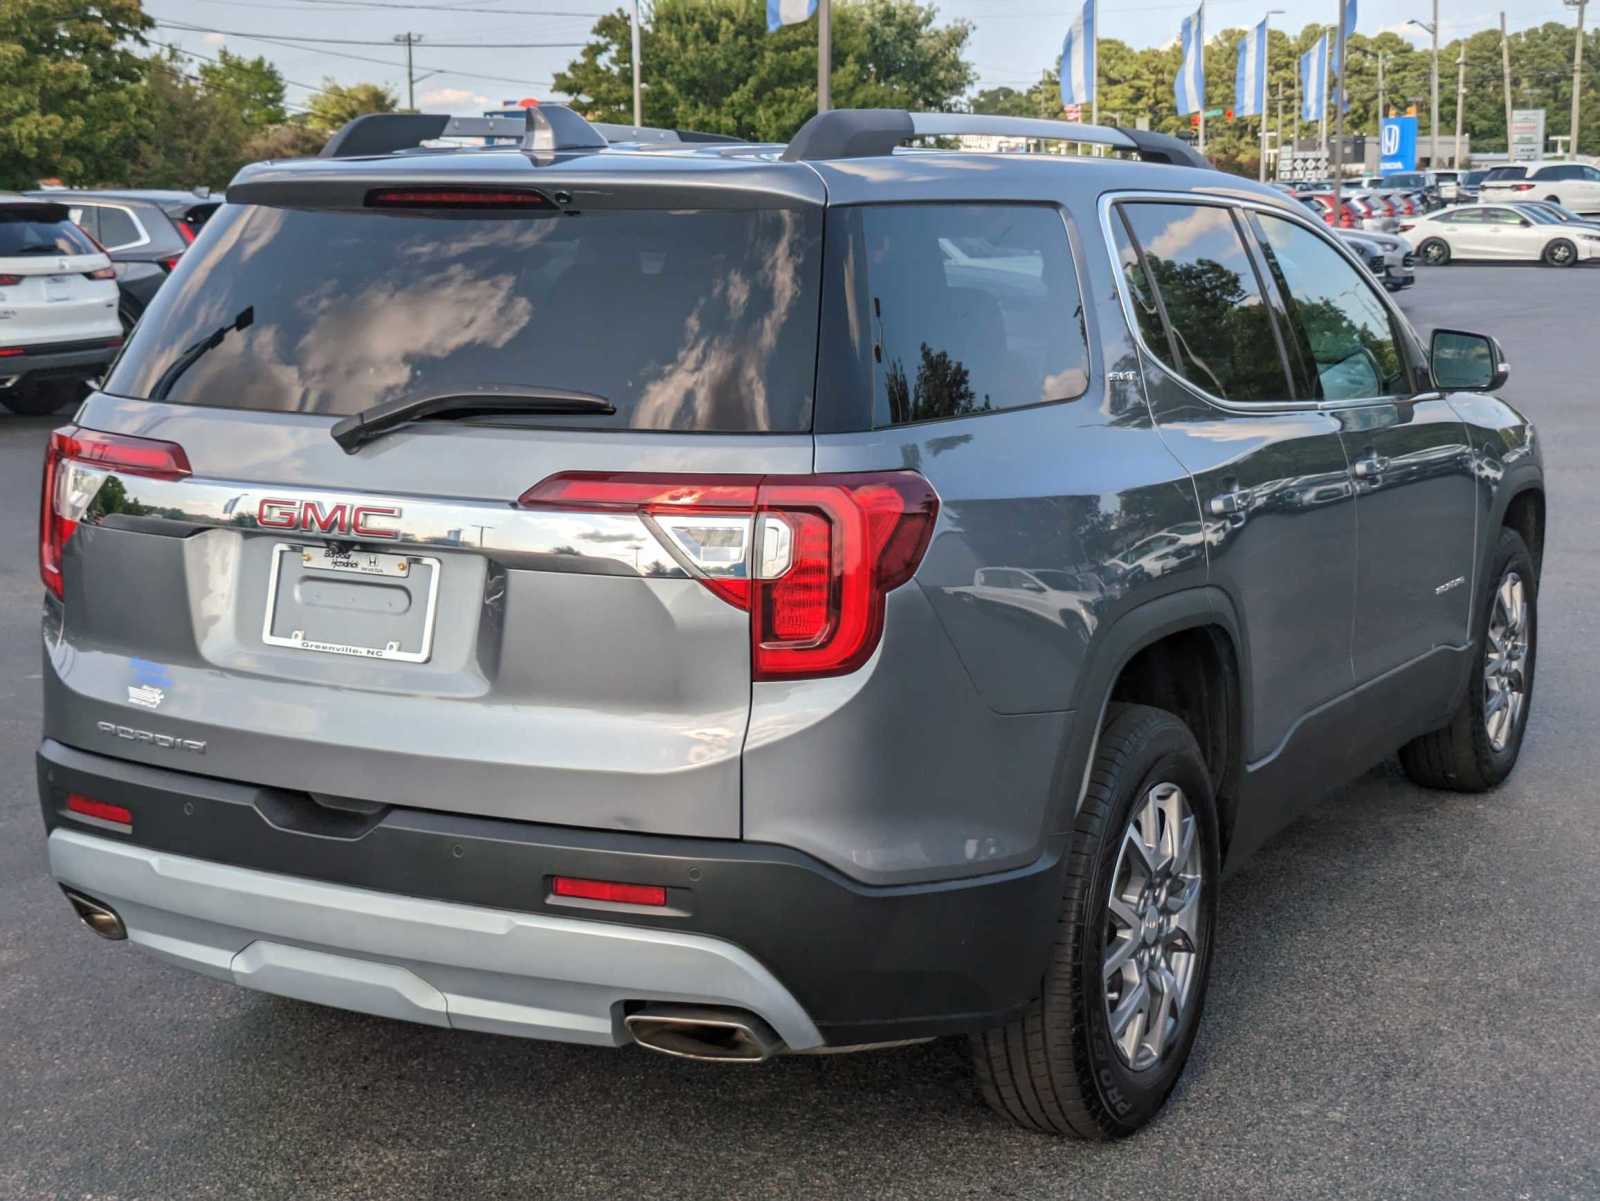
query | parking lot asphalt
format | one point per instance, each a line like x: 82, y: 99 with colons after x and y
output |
x: 1406, y: 1000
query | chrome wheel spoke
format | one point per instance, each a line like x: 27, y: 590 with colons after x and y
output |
x: 1133, y: 1008
x: 1505, y: 681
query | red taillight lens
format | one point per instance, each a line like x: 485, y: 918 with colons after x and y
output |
x: 89, y: 807
x: 1522, y: 187
x: 1346, y: 219
x: 455, y: 198
x: 185, y: 231
x: 811, y: 557
x: 607, y: 890
x: 10, y: 281
x: 67, y: 493
x: 11, y: 352
x: 170, y: 263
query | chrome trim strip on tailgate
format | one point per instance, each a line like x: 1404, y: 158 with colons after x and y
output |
x: 582, y: 543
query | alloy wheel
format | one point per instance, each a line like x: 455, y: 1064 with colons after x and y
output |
x: 1560, y: 253
x: 1154, y: 931
x: 1435, y: 253
x: 1505, y: 682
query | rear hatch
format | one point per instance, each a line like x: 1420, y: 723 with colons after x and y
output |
x: 48, y: 292
x: 401, y: 620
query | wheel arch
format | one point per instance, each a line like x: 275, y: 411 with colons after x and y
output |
x: 1524, y: 511
x: 1184, y: 652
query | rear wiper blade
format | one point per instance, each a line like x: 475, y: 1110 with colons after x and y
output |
x: 355, y: 431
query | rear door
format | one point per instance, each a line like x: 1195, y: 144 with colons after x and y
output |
x: 403, y: 624
x: 1407, y: 448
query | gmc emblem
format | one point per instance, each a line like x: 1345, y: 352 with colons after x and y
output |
x: 360, y: 521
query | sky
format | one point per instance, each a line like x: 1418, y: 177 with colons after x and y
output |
x: 477, y: 53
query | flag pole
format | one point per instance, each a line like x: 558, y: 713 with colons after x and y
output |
x: 1094, y: 51
x: 1200, y: 56
x: 1266, y: 73
x: 824, y: 57
x: 638, y: 106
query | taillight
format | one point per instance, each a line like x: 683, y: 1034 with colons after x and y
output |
x: 810, y: 557
x: 10, y: 281
x: 103, y: 273
x: 1346, y: 218
x: 170, y: 263
x: 76, y: 462
x: 1522, y: 187
x: 186, y: 231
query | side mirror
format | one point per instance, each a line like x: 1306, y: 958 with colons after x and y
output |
x: 1463, y: 362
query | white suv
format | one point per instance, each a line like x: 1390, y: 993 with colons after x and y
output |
x: 58, y: 307
x: 1575, y: 185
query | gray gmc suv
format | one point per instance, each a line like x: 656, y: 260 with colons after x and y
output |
x: 746, y: 599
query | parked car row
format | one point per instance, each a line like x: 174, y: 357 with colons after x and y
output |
x: 77, y: 270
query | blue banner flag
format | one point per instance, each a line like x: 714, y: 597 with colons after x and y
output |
x: 1078, y: 58
x: 1189, y: 89
x: 1250, y: 76
x: 1314, y: 81
x: 789, y: 12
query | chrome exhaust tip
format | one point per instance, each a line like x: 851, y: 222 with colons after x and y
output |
x: 704, y: 1032
x: 102, y: 919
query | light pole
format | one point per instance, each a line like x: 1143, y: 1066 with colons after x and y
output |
x: 1433, y: 79
x: 409, y: 40
x: 638, y: 98
x: 1461, y: 98
x: 1577, y: 72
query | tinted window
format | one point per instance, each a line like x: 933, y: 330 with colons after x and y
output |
x: 684, y: 321
x: 42, y: 230
x: 960, y: 309
x: 1342, y: 329
x: 1563, y: 171
x: 1464, y: 217
x: 1222, y: 338
x: 1501, y: 217
x: 117, y: 228
x: 1498, y: 173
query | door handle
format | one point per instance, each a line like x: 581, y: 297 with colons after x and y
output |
x: 1370, y: 466
x: 1225, y: 504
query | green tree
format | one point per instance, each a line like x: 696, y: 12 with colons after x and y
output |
x: 254, y: 85
x: 68, y: 84
x: 293, y: 139
x: 337, y: 103
x: 712, y: 65
x: 195, y: 134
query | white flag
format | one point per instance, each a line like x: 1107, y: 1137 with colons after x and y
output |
x: 1190, y: 87
x: 788, y: 12
x: 1314, y: 81
x: 1078, y: 59
x: 1250, y: 78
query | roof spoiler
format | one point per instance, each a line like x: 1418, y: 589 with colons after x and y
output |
x: 869, y: 132
x: 548, y: 127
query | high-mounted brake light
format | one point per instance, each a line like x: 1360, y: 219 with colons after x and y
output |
x: 811, y: 557
x: 609, y: 891
x: 455, y: 198
x: 76, y: 462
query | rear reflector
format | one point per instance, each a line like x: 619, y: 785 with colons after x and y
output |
x: 89, y: 807
x: 455, y: 198
x: 607, y: 890
x: 811, y: 557
x: 76, y: 462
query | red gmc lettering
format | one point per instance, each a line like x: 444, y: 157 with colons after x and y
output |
x: 362, y: 521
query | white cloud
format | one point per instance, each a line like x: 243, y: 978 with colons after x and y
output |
x: 213, y: 39
x: 454, y: 98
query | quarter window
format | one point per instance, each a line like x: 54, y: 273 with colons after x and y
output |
x: 1342, y: 330
x: 1218, y: 332
x: 117, y: 228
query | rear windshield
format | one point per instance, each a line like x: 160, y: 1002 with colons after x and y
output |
x: 26, y: 231
x: 702, y: 320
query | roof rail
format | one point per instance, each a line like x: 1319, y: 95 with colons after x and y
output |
x: 548, y: 127
x: 650, y: 135
x: 868, y: 132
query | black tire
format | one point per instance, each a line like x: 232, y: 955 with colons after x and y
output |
x: 1435, y: 252
x: 1462, y: 756
x: 1055, y: 1069
x: 41, y: 399
x: 1560, y: 253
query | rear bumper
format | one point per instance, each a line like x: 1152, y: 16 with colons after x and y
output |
x: 44, y: 363
x: 445, y: 918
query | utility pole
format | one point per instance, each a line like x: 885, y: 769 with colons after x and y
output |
x: 638, y: 96
x: 409, y: 40
x: 1383, y: 107
x: 1577, y: 73
x: 1505, y: 74
x: 824, y: 56
x: 1461, y: 99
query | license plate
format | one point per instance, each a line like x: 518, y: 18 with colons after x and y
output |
x: 358, y: 603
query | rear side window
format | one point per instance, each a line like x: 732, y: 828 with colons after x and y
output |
x: 41, y: 230
x: 1498, y: 173
x: 1341, y: 329
x: 117, y: 228
x: 1218, y: 331
x: 685, y: 320
x: 946, y: 310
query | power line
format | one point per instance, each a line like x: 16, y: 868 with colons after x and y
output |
x: 309, y: 5
x: 235, y: 33
x: 310, y: 87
